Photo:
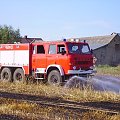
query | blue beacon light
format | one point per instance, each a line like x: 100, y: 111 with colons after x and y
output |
x: 64, y: 40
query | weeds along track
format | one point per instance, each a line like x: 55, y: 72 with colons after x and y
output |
x: 107, y: 107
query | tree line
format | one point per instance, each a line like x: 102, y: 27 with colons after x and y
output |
x: 9, y: 35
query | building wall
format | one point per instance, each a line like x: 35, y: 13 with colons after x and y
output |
x: 115, y: 56
x: 109, y: 54
x: 100, y: 54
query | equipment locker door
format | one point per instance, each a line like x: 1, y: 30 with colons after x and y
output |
x: 39, y: 58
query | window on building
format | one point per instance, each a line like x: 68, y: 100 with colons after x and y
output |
x: 40, y: 49
x: 52, y: 49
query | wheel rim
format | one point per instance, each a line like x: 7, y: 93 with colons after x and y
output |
x: 5, y: 76
x: 18, y: 77
x: 54, y: 79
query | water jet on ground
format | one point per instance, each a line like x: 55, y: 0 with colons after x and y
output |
x: 99, y: 83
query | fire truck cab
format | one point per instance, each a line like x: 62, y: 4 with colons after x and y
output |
x: 53, y: 61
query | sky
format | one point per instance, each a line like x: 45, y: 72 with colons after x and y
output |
x: 58, y: 19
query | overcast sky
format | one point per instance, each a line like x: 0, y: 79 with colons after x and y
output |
x: 58, y: 19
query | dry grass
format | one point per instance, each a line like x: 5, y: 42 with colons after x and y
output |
x: 108, y: 70
x: 27, y: 111
x: 66, y: 94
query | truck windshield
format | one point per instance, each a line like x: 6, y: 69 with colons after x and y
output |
x: 78, y: 48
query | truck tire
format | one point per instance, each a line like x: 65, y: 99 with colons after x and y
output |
x: 18, y: 75
x: 6, y: 75
x: 54, y: 78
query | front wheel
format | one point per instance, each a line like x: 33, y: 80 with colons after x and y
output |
x: 54, y: 78
x: 18, y: 75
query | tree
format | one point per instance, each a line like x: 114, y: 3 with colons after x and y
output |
x: 9, y: 35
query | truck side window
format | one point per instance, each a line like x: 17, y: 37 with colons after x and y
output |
x: 40, y: 49
x: 52, y: 49
x: 60, y: 47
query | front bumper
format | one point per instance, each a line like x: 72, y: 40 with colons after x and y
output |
x: 80, y: 72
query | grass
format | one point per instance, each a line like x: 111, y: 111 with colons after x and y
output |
x: 27, y: 111
x: 86, y: 95
x: 108, y: 70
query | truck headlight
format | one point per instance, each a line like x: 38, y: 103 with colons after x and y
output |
x: 74, y: 67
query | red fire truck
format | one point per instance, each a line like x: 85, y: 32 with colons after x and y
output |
x: 53, y: 61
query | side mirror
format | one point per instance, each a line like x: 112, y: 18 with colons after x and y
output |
x: 63, y: 51
x: 91, y: 51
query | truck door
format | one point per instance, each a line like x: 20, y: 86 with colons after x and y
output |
x: 55, y: 56
x: 62, y: 58
x: 39, y: 58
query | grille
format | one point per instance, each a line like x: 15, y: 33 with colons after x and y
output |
x: 83, y: 62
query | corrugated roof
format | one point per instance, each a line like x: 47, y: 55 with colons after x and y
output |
x: 98, y: 41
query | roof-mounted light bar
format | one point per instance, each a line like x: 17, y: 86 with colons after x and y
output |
x: 74, y: 40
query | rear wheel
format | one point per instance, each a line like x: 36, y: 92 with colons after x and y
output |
x: 6, y: 75
x: 18, y: 75
x: 54, y: 78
